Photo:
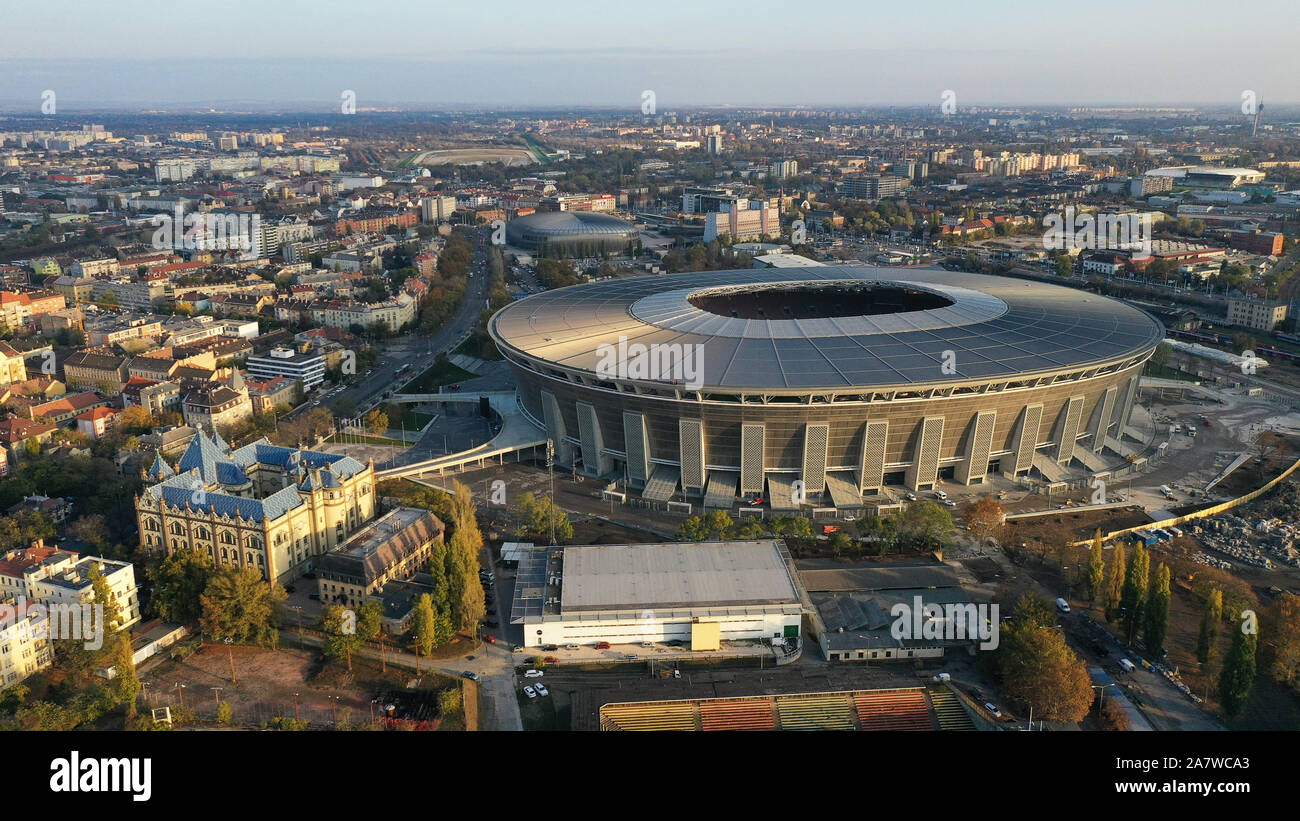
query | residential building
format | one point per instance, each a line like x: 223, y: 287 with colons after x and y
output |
x: 394, y: 547
x: 309, y: 368
x: 96, y: 369
x: 1259, y: 314
x: 18, y: 311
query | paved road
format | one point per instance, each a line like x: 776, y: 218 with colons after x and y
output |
x: 416, y: 349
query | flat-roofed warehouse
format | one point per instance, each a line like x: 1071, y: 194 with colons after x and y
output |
x: 700, y: 593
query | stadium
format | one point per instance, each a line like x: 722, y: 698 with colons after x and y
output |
x: 580, y: 232
x: 852, y: 379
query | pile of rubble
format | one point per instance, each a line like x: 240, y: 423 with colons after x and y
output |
x: 1232, y: 536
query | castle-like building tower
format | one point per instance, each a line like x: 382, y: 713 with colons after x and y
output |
x: 262, y: 506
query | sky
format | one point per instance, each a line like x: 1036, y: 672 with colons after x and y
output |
x: 138, y: 54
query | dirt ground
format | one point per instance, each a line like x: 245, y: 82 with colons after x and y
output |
x: 267, y: 684
x: 1079, y: 524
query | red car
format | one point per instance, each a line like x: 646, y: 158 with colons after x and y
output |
x: 550, y: 660
x: 490, y: 639
x: 602, y: 645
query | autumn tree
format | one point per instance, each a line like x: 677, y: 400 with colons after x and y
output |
x: 986, y: 518
x: 126, y: 682
x: 1115, y: 574
x: 1040, y: 670
x: 1096, y: 577
x: 1280, y: 640
x: 377, y: 422
x: 238, y: 604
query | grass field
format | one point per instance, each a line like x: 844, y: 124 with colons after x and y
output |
x: 441, y: 373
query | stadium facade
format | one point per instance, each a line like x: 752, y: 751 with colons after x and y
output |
x: 848, y: 378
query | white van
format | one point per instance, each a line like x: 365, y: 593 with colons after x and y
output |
x: 939, y: 494
x: 1063, y: 605
x: 1127, y: 665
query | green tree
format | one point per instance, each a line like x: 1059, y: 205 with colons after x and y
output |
x: 1115, y: 574
x: 370, y: 620
x: 1134, y: 595
x: 1156, y: 614
x: 422, y: 626
x: 1238, y: 676
x: 924, y: 525
x: 126, y: 683
x: 177, y: 584
x: 449, y: 702
x: 1096, y: 568
x: 1210, y: 618
x: 225, y: 715
x: 103, y: 595
x: 1033, y: 609
x: 237, y: 604
x: 540, y: 514
x: 340, y: 628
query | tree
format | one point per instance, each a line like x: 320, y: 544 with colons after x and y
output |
x: 377, y: 422
x: 1238, y: 675
x: 1040, y: 671
x: 1133, y: 597
x: 225, y: 715
x: 1115, y: 574
x: 1280, y: 629
x: 986, y: 518
x: 177, y: 584
x: 1112, y: 716
x: 1096, y: 568
x: 126, y: 683
x: 103, y: 596
x: 924, y: 525
x: 839, y: 542
x: 340, y: 628
x: 238, y: 604
x: 540, y: 514
x: 422, y: 626
x: 1033, y: 609
x: 370, y: 620
x: 467, y: 600
x: 449, y: 702
x: 1156, y: 614
x: 1209, y: 635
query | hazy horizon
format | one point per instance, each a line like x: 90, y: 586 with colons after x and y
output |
x: 575, y: 54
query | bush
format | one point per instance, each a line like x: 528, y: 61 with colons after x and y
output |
x: 224, y: 714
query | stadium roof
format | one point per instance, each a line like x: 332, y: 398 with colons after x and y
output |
x: 994, y: 327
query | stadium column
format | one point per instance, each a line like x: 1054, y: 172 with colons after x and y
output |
x: 555, y: 428
x: 637, y: 445
x: 1124, y: 410
x: 815, y: 437
x: 1067, y: 429
x: 595, y: 462
x: 752, y: 436
x: 690, y: 437
x: 1024, y: 441
x: 871, y: 477
x: 1099, y: 426
x: 923, y: 472
x: 975, y: 466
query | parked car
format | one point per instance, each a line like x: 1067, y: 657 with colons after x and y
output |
x: 541, y: 689
x: 942, y: 677
x: 550, y: 648
x: 629, y: 656
x: 471, y: 675
x: 490, y: 639
x: 533, y: 674
x: 549, y: 660
x: 571, y: 647
x: 992, y: 708
x: 602, y: 645
x: 530, y: 692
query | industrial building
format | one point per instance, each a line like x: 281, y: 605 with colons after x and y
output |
x: 701, y: 594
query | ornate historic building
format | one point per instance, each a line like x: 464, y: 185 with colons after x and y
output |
x: 271, y: 508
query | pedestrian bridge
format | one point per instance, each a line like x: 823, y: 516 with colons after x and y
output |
x: 517, y: 435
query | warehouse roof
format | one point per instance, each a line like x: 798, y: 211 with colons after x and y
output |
x: 676, y: 575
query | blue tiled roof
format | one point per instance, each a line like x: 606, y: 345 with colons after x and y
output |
x: 203, y: 454
x: 159, y: 470
x: 230, y: 473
